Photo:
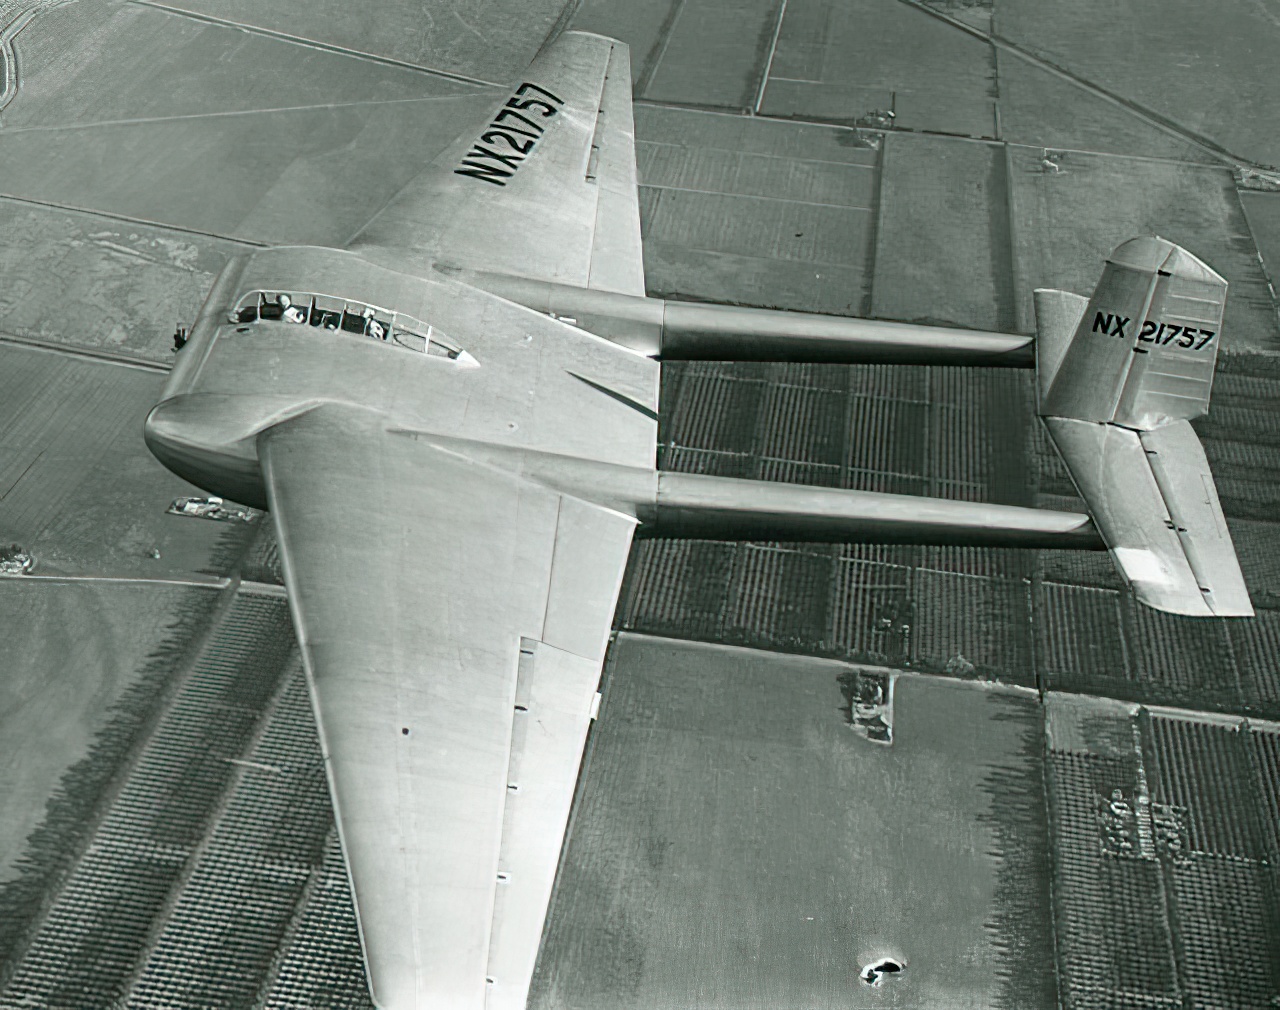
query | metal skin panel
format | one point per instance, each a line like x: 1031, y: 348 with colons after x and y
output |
x: 1058, y: 315
x: 1093, y: 369
x: 592, y: 544
x: 1178, y: 462
x: 413, y: 574
x: 542, y: 194
x: 527, y: 391
x: 556, y: 689
x: 1144, y: 351
x: 1177, y: 346
x: 1151, y: 495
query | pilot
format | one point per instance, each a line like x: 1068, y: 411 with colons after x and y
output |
x: 179, y: 338
x: 292, y: 313
x: 371, y: 326
x: 274, y: 309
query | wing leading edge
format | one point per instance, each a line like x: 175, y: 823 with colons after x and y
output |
x: 544, y: 187
x: 453, y: 620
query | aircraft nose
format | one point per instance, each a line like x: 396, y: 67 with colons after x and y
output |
x: 173, y: 436
x: 205, y: 446
x: 159, y: 425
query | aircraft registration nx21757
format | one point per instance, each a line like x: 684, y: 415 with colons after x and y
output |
x: 453, y: 422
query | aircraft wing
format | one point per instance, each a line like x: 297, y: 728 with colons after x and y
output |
x: 543, y: 187
x: 453, y: 619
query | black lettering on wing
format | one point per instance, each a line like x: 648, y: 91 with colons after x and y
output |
x: 505, y: 114
x: 1118, y: 328
x: 526, y: 87
x: 485, y: 173
x: 511, y: 161
x: 533, y: 103
x: 520, y: 147
x: 1102, y: 323
x: 1148, y: 328
x: 1208, y: 336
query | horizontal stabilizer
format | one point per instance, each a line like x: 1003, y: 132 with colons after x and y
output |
x: 1153, y: 499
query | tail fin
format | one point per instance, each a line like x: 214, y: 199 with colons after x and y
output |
x: 1119, y: 377
x: 1143, y: 351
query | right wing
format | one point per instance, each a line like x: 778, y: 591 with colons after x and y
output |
x: 453, y: 620
x: 544, y: 187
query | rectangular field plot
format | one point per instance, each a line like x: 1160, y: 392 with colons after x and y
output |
x: 942, y: 243
x: 742, y: 210
x: 1204, y: 68
x: 214, y: 127
x: 846, y: 60
x: 72, y: 651
x: 714, y: 53
x: 1164, y: 891
x: 1040, y: 108
x: 79, y: 488
x: 91, y: 281
x: 737, y: 845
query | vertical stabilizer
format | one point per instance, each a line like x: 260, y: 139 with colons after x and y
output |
x: 1058, y: 315
x: 1144, y: 350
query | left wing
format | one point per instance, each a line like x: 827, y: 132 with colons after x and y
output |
x: 453, y: 620
x: 544, y: 187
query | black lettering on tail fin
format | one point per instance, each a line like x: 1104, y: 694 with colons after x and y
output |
x: 485, y: 173
x: 1147, y: 376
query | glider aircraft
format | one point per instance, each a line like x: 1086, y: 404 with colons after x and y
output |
x: 453, y: 423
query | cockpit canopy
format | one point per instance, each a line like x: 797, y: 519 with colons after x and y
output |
x: 345, y: 316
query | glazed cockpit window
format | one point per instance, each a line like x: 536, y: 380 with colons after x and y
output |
x: 358, y: 318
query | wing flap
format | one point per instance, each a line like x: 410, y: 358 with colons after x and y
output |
x: 554, y: 698
x: 1178, y: 462
x: 1152, y: 498
x: 617, y: 257
x: 554, y: 703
